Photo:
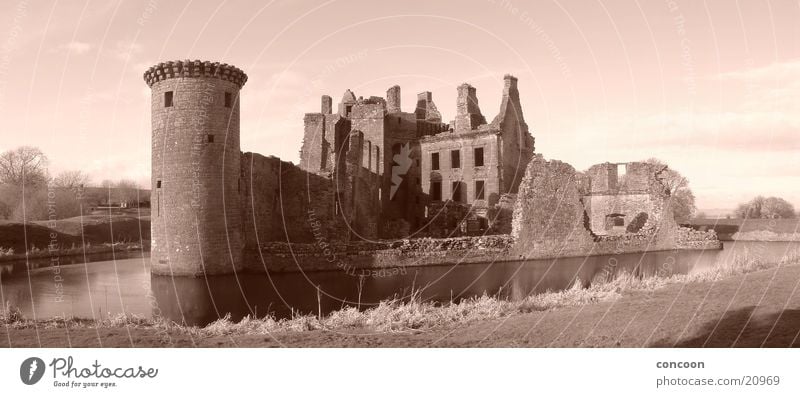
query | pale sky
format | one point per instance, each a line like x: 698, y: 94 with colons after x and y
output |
x: 711, y: 87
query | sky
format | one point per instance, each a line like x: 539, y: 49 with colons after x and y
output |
x: 710, y: 87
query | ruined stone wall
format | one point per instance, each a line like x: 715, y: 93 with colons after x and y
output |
x: 426, y: 109
x: 517, y: 142
x: 323, y: 137
x: 196, y: 215
x: 548, y: 213
x: 501, y: 215
x: 280, y: 199
x: 314, y: 145
x: 393, y: 99
x: 603, y: 178
x: 468, y: 113
x: 637, y: 176
x: 467, y: 173
x: 359, y: 192
x: 600, y: 206
x: 551, y: 217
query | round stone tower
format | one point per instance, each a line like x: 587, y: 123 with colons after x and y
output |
x: 196, y: 219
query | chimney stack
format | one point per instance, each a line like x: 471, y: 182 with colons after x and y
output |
x: 393, y: 99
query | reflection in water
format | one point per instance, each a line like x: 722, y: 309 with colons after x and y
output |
x: 102, y: 287
x: 92, y: 290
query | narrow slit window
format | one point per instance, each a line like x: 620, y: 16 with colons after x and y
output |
x: 228, y: 99
x: 168, y: 99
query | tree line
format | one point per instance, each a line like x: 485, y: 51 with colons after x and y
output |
x: 28, y: 192
x: 766, y: 208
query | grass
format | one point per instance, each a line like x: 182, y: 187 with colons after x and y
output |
x: 94, y: 229
x: 749, y: 225
x: 8, y: 254
x: 411, y: 314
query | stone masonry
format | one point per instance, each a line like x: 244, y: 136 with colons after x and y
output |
x: 370, y: 171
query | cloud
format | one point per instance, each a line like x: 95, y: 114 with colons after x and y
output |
x: 759, y: 111
x: 125, y: 50
x: 777, y: 71
x: 75, y: 47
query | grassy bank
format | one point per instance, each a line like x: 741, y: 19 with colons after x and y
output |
x: 406, y: 316
x: 77, y: 231
x: 9, y: 255
x: 751, y: 229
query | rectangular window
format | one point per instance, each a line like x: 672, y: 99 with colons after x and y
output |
x: 456, y: 191
x: 479, y: 190
x: 168, y: 99
x: 478, y: 154
x: 158, y: 184
x: 434, y: 161
x: 210, y: 138
x: 455, y: 159
x: 228, y: 99
x: 436, y: 191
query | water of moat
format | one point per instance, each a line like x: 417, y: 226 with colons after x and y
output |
x: 97, y: 289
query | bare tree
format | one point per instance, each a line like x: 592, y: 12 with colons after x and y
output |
x: 750, y: 209
x: 127, y: 191
x: 681, y: 196
x: 25, y: 165
x: 71, y: 179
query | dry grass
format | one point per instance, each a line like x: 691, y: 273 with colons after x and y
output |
x: 414, y: 313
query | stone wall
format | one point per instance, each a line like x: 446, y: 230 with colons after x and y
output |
x: 468, y: 113
x: 551, y: 217
x: 627, y: 206
x: 377, y: 258
x: 280, y: 199
x: 516, y: 141
x: 195, y: 191
x: 468, y: 172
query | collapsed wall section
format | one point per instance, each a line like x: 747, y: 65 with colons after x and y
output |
x: 553, y: 214
x: 548, y: 214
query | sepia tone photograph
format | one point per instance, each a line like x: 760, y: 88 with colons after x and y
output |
x: 416, y: 174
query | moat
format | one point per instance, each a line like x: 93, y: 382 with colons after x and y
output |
x: 98, y: 288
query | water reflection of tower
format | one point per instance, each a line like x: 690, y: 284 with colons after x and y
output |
x: 196, y: 215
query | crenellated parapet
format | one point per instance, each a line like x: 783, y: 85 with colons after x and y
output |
x: 196, y: 68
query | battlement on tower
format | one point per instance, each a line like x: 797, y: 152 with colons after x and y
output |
x: 196, y: 68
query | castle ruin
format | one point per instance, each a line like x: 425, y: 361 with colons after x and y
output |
x: 368, y: 172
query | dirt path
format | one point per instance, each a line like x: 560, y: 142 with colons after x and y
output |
x: 752, y: 310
